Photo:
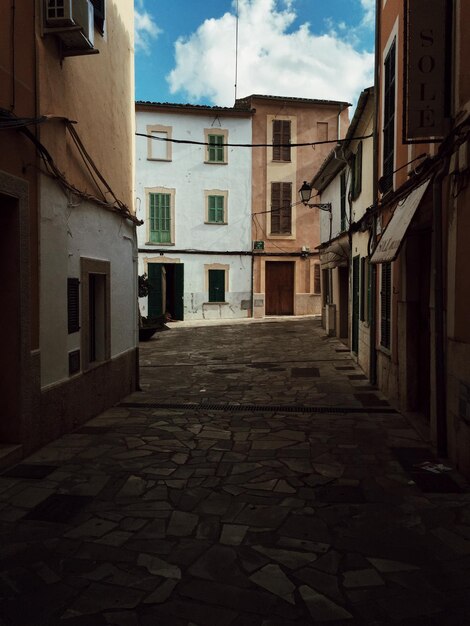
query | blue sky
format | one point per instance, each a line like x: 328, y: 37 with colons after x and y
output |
x: 185, y: 49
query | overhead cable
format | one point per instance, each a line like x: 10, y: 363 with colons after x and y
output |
x: 252, y: 145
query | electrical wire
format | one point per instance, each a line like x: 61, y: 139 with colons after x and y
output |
x: 8, y: 122
x: 252, y: 145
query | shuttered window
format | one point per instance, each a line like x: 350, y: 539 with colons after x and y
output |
x: 362, y: 312
x: 73, y: 305
x: 343, y: 201
x: 316, y: 278
x: 99, y: 9
x: 215, y: 150
x: 216, y: 285
x: 389, y: 121
x: 215, y: 209
x: 281, y: 211
x: 281, y: 140
x: 160, y: 217
x: 385, y: 304
x: 357, y: 172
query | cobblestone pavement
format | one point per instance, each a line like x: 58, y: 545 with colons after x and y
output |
x: 255, y: 481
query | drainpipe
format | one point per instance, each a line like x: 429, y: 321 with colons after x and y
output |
x: 375, y: 195
x: 252, y: 285
x: 439, y: 318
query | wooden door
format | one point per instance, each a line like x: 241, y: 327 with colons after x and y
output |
x: 280, y: 288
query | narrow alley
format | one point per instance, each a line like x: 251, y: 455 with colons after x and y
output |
x: 256, y: 480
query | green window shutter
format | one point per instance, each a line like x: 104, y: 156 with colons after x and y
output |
x: 357, y: 172
x: 385, y: 304
x: 73, y: 305
x: 362, y: 308
x: 389, y: 121
x: 343, y: 201
x: 355, y: 305
x: 155, y: 293
x: 281, y: 140
x: 160, y: 217
x: 216, y: 285
x: 216, y: 148
x: 216, y: 209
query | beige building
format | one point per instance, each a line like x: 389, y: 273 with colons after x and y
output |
x: 421, y: 228
x: 68, y: 230
x: 286, y: 270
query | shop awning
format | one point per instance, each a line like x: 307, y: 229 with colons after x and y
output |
x: 395, y: 231
x: 335, y: 255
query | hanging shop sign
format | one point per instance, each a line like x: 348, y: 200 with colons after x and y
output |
x: 425, y: 64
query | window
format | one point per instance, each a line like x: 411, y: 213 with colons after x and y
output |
x: 216, y: 285
x: 343, y: 201
x: 357, y: 172
x: 99, y: 13
x: 216, y: 209
x: 281, y: 211
x: 160, y: 217
x: 281, y: 140
x: 322, y: 131
x: 73, y: 305
x: 215, y: 150
x: 158, y: 146
x: 385, y: 304
x: 389, y: 121
x: 316, y: 278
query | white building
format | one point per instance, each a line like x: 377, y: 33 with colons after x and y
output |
x: 195, y: 200
x: 346, y: 181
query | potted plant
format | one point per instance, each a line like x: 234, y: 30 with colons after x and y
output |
x: 148, y: 326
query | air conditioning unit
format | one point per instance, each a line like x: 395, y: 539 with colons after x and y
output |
x: 73, y: 22
x: 58, y: 13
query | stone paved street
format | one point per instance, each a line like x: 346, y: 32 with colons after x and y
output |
x: 254, y: 481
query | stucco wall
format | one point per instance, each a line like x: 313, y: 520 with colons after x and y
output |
x: 72, y: 229
x: 196, y: 306
x: 96, y: 91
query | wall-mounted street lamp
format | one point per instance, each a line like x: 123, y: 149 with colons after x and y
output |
x: 305, y: 195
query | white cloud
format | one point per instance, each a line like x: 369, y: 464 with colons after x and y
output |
x: 146, y: 29
x: 272, y: 60
x: 369, y: 12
